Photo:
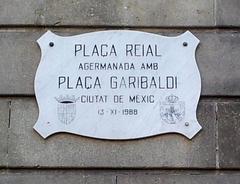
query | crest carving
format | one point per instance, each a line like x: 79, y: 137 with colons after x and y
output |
x: 66, y: 108
x: 172, y: 110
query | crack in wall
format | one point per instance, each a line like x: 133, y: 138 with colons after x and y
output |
x: 215, y: 12
x: 216, y: 136
x: 9, y: 113
x: 9, y: 126
x: 116, y: 179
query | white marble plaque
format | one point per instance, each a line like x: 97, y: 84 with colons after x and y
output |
x: 117, y: 84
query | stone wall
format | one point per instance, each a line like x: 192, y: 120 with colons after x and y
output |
x: 213, y: 156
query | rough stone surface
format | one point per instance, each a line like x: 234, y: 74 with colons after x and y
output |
x: 194, y: 177
x: 229, y: 134
x: 4, y: 117
x: 58, y: 176
x: 28, y: 149
x: 118, y: 177
x: 112, y: 13
x: 130, y: 13
x: 228, y: 13
x: 217, y: 58
x: 18, y: 62
x: 22, y: 12
x: 218, y: 61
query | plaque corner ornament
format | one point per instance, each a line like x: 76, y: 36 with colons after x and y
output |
x: 117, y: 85
x: 192, y: 129
x: 42, y: 129
x: 44, y: 37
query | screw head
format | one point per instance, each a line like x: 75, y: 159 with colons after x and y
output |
x: 51, y: 44
x: 185, y: 44
x: 186, y: 124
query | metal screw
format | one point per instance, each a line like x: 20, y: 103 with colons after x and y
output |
x: 186, y: 124
x: 51, y: 44
x: 185, y: 44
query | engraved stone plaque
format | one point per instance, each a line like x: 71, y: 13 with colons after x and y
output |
x: 117, y: 85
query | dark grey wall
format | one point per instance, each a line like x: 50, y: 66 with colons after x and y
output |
x: 213, y: 156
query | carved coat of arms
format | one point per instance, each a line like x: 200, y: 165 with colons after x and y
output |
x: 172, y: 110
x: 66, y: 108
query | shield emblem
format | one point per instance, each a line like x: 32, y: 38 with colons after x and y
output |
x: 66, y: 109
x: 172, y: 110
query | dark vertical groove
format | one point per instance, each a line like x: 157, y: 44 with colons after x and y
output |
x: 216, y: 135
x: 9, y: 125
x: 9, y: 113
